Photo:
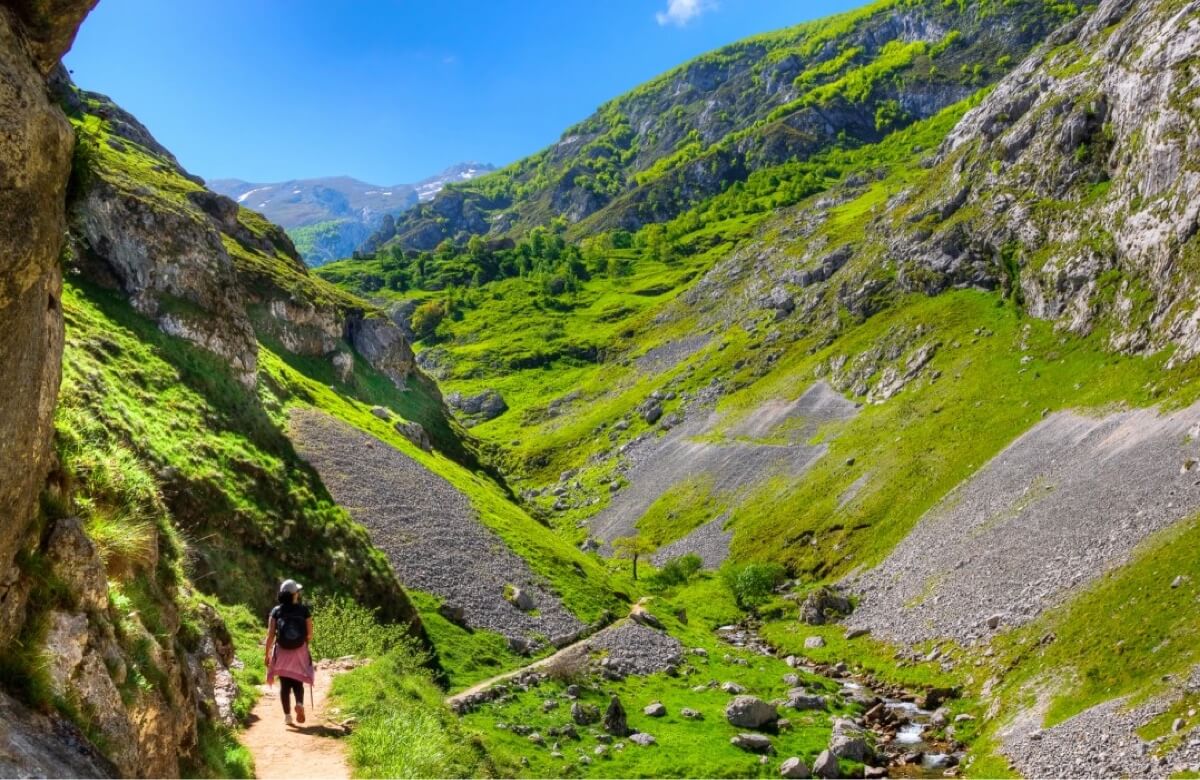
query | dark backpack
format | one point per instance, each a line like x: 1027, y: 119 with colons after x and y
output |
x: 291, y: 630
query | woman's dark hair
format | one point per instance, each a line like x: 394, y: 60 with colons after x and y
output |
x: 287, y: 598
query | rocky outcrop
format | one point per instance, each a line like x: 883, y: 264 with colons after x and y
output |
x: 36, y: 745
x: 481, y: 407
x: 169, y: 261
x: 1075, y: 186
x: 383, y: 345
x: 35, y: 158
x: 199, y: 265
x: 143, y: 692
x: 48, y: 27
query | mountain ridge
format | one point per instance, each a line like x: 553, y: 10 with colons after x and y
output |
x: 330, y: 216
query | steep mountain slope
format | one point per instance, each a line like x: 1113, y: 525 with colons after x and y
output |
x: 698, y: 129
x: 329, y: 217
x: 982, y: 284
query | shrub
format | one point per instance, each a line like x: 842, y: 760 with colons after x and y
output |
x: 753, y: 583
x: 677, y: 571
x: 427, y: 317
x: 344, y: 627
x: 126, y: 544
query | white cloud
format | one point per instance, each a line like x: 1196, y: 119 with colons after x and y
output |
x: 680, y: 12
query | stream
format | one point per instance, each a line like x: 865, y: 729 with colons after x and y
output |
x: 904, y: 732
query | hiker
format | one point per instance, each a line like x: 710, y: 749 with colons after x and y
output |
x: 287, y: 656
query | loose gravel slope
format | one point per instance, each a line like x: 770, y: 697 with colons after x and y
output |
x: 429, y: 530
x: 737, y: 462
x: 1063, y: 504
x: 1101, y: 741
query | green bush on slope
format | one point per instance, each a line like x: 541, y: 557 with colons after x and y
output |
x: 403, y: 728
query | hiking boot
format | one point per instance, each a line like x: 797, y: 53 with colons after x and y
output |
x: 299, y: 713
x: 287, y: 719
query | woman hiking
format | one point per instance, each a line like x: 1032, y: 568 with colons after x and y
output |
x: 289, y: 631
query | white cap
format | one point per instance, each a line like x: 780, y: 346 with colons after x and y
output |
x: 290, y: 586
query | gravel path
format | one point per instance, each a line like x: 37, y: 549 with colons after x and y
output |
x: 1099, y: 742
x: 631, y: 649
x: 429, y: 530
x: 658, y: 464
x: 1063, y: 504
x: 710, y: 541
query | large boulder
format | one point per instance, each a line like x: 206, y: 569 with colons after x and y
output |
x: 824, y: 605
x: 750, y: 712
x: 383, y: 345
x: 481, y: 407
x: 615, y: 720
x: 415, y: 433
x: 754, y: 743
x: 826, y: 766
x: 793, y: 768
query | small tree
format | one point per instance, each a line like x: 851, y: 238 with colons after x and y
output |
x: 632, y: 547
x: 753, y: 583
x: 427, y: 317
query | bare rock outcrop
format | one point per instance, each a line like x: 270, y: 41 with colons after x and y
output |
x: 35, y: 161
x: 171, y: 264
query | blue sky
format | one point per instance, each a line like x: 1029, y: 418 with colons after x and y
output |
x: 389, y: 91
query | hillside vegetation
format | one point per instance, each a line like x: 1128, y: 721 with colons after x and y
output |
x: 961, y: 274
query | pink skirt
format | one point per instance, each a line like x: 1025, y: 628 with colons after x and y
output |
x: 296, y: 664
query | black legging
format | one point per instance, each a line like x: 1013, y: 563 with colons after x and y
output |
x: 287, y: 686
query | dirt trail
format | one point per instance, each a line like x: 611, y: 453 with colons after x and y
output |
x: 631, y: 647
x: 567, y: 651
x: 313, y: 750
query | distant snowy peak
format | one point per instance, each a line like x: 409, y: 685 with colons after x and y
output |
x: 462, y: 172
x: 344, y: 209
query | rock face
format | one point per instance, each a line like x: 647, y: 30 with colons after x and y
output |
x: 173, y: 267
x: 34, y: 745
x: 1116, y: 140
x: 203, y: 268
x: 145, y: 730
x: 35, y: 160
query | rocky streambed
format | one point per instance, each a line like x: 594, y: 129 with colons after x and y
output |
x: 904, y: 730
